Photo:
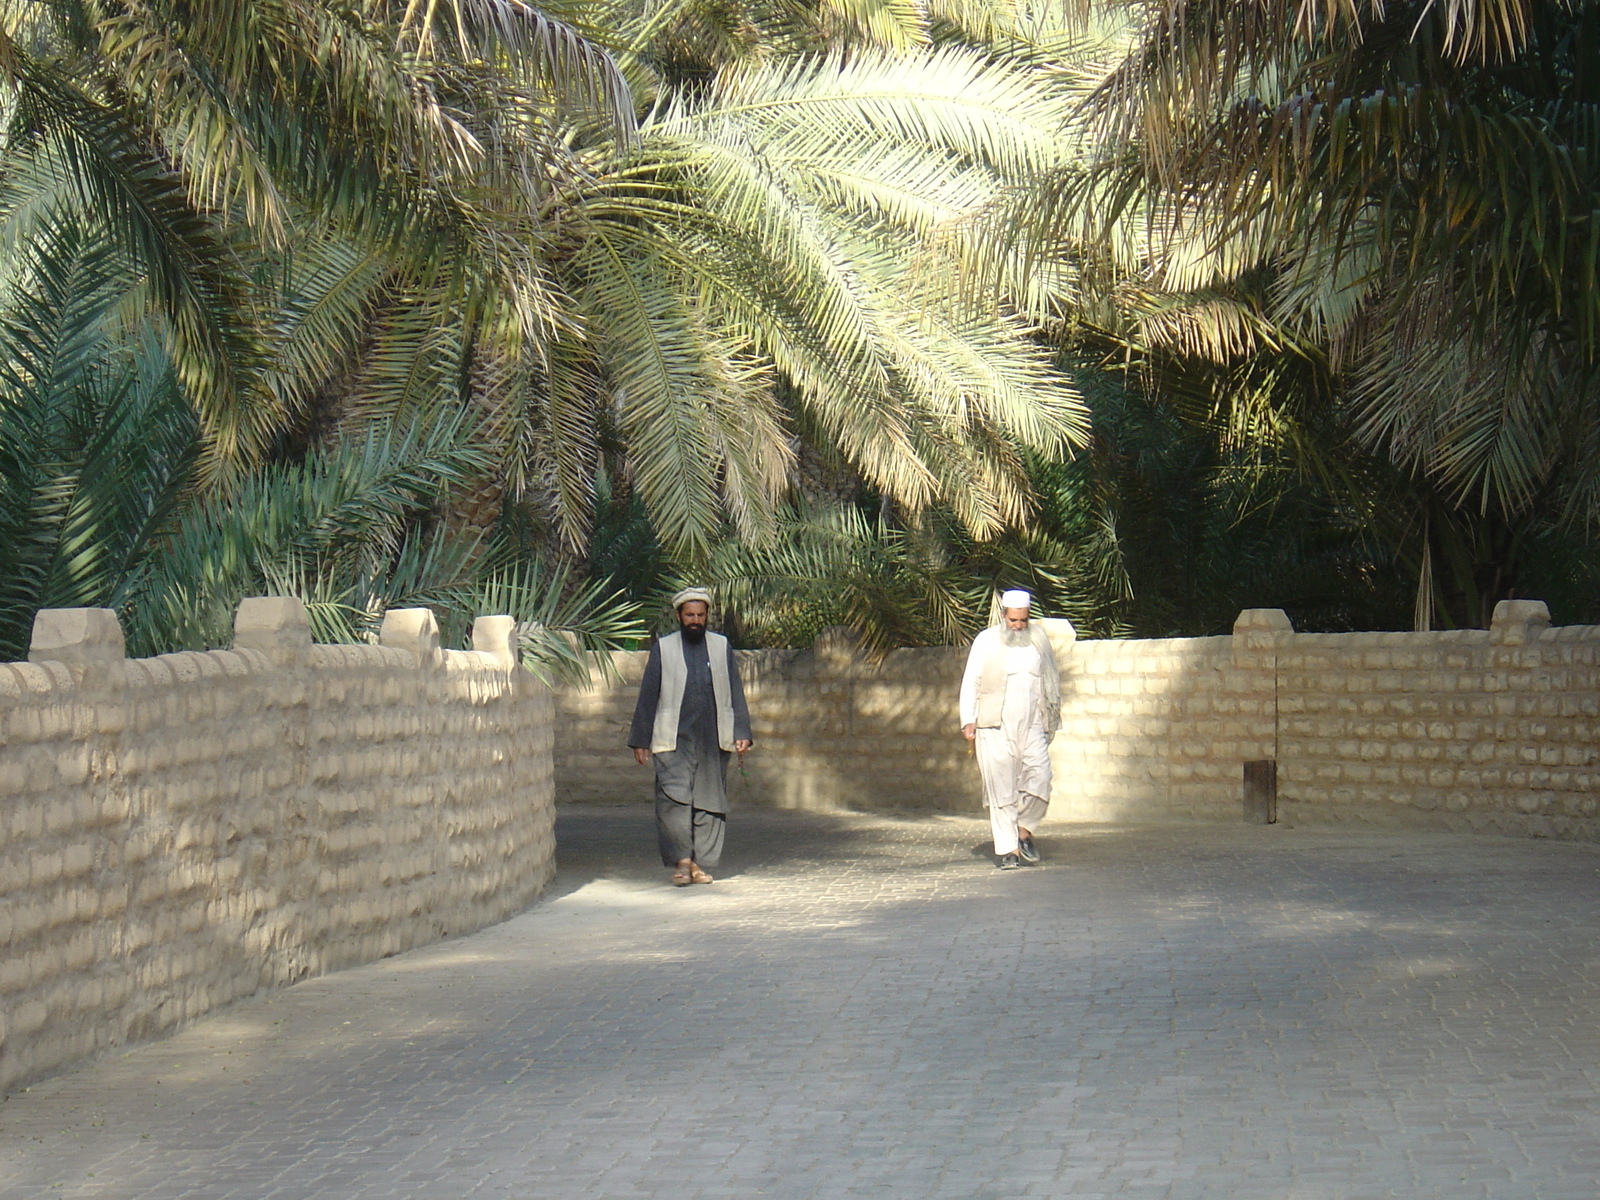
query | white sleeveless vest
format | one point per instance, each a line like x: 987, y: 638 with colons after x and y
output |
x: 675, y: 677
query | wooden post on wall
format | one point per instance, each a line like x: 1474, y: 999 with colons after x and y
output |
x: 1261, y: 792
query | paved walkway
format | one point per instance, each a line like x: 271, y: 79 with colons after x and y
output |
x: 864, y: 1007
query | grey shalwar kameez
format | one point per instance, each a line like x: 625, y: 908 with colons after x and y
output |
x: 691, y: 779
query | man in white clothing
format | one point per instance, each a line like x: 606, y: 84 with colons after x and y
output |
x: 1010, y: 709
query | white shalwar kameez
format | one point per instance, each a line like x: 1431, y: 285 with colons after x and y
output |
x: 1014, y: 759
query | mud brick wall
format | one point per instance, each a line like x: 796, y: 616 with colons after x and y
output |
x: 831, y: 731
x: 182, y: 831
x: 1494, y: 731
x: 1158, y: 729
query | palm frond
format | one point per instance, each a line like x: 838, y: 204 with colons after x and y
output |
x: 192, y: 268
x: 342, y: 508
x: 836, y: 567
x: 563, y: 625
x: 948, y: 98
x: 657, y: 362
x: 97, y: 441
x: 574, y: 66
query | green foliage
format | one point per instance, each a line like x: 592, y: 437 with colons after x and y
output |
x: 198, y: 135
x: 839, y: 567
x: 338, y: 238
x: 339, y: 518
x: 97, y: 442
x: 779, y: 248
x: 99, y: 456
x: 1351, y: 249
x: 561, y: 621
x: 929, y: 584
x: 1209, y: 523
x: 415, y: 302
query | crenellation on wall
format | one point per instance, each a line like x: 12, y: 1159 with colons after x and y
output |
x: 181, y: 831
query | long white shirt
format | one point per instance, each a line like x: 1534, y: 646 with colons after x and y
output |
x: 1024, y: 677
x: 1013, y: 759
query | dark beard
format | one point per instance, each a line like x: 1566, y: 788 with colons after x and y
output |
x: 694, y: 634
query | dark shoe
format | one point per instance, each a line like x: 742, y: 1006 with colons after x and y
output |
x: 1026, y: 848
x: 1010, y: 863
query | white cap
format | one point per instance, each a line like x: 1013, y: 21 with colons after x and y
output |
x: 1015, y: 598
x: 691, y: 593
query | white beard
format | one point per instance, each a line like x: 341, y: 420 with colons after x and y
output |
x: 1017, y: 638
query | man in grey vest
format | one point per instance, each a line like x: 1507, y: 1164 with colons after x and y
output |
x: 690, y: 716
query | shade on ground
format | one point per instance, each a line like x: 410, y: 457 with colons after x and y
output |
x: 865, y: 1007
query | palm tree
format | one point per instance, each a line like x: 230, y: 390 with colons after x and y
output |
x: 768, y: 258
x: 99, y: 462
x: 1387, y: 207
x: 209, y: 139
x: 780, y: 254
x: 329, y: 219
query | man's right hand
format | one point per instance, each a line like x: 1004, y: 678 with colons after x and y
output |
x: 641, y: 755
x: 969, y: 732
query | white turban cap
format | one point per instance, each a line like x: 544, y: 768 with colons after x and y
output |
x: 691, y: 593
x: 1015, y: 598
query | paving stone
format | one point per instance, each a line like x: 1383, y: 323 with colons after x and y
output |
x: 863, y: 1006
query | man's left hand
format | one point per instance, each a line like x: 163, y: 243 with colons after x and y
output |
x: 742, y: 745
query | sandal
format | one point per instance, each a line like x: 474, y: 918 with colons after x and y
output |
x: 699, y: 876
x: 682, y: 878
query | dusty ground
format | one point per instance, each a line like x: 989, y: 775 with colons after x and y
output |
x: 865, y: 1007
